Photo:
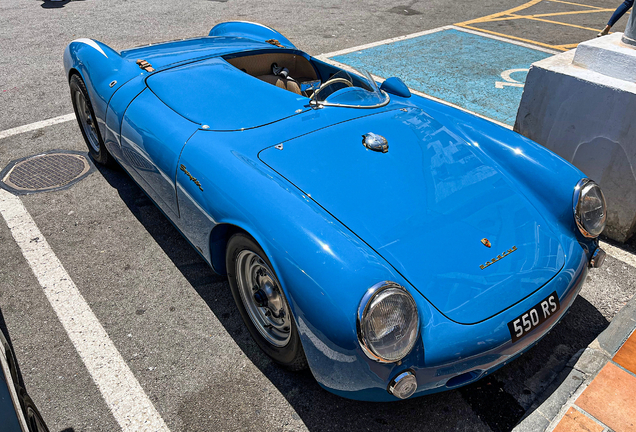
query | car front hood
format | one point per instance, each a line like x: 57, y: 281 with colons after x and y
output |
x: 425, y: 206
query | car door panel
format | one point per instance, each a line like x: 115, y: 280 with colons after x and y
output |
x: 116, y: 108
x: 152, y: 137
x: 197, y: 192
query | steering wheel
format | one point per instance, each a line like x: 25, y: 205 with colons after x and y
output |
x: 332, y: 81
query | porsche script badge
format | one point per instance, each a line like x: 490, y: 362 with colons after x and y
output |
x: 196, y: 182
x: 498, y: 257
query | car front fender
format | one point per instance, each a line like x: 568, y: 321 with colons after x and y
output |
x: 547, y: 180
x: 324, y: 269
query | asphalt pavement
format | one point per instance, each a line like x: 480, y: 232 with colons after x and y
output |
x: 172, y: 320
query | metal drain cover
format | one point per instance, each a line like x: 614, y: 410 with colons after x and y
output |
x: 53, y: 170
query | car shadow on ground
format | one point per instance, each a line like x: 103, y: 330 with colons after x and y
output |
x: 496, y: 403
x: 55, y: 4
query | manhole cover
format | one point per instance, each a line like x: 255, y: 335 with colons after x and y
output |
x: 53, y: 170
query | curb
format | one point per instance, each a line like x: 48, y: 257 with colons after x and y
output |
x: 555, y: 400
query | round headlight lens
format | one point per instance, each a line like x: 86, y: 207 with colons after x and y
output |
x: 388, y: 322
x: 590, y: 210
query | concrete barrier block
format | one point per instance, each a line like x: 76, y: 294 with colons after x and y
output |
x: 607, y: 56
x: 589, y: 119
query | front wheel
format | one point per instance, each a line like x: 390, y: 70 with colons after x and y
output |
x: 87, y: 121
x: 262, y: 303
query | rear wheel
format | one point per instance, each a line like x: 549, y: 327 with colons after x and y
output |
x: 262, y: 303
x: 87, y: 121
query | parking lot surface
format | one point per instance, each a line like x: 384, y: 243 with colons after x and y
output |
x: 169, y: 318
x: 475, y: 71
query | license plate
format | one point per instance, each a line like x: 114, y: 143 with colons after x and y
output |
x: 533, y: 318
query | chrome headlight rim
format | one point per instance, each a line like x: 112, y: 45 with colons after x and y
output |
x: 576, y: 201
x: 364, y: 306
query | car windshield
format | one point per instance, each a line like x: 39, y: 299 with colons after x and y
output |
x: 354, y: 90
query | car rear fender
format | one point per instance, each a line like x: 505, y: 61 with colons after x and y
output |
x: 250, y: 30
x: 103, y: 70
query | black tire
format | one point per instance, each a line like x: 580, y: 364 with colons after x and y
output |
x: 87, y: 122
x: 31, y: 414
x: 291, y: 355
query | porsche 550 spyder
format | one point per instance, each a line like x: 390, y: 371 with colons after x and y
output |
x: 394, y: 245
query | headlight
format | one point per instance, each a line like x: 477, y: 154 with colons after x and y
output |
x: 388, y: 322
x: 590, y: 210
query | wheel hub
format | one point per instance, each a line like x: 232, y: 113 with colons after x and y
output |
x: 260, y: 298
x: 268, y: 296
x: 263, y: 298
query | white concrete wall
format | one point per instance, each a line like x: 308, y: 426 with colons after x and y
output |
x: 589, y: 119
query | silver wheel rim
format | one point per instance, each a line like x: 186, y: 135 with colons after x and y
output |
x: 87, y: 121
x: 263, y: 298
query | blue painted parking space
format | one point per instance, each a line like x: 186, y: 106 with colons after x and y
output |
x: 478, y: 73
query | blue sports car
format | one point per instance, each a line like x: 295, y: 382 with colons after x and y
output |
x: 392, y: 244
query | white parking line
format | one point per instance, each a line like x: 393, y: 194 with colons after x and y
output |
x: 619, y: 254
x: 419, y: 93
x: 435, y: 30
x: 326, y: 58
x: 120, y: 389
x: 384, y: 42
x: 37, y: 125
